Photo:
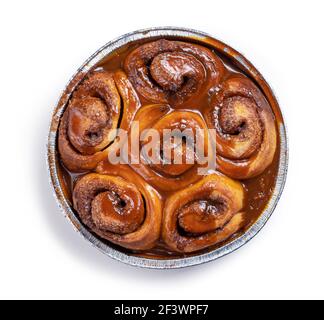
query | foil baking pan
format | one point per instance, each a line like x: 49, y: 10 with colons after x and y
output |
x: 53, y: 162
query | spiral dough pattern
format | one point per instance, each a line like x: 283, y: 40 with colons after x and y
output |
x: 183, y: 88
x: 173, y: 71
x: 246, y: 131
x: 203, y: 214
x: 95, y: 110
x: 127, y: 214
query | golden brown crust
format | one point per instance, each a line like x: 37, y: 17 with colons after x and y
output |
x: 166, y: 71
x: 88, y: 125
x: 169, y: 175
x: 124, y: 213
x: 203, y: 214
x: 246, y: 138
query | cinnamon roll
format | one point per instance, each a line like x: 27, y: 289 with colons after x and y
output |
x: 246, y: 137
x: 166, y: 71
x: 203, y: 214
x: 176, y: 162
x: 89, y: 124
x: 126, y: 213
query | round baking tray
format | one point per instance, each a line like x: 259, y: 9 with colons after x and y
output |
x: 52, y: 156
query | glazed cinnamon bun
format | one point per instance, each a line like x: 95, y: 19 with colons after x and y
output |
x: 173, y: 72
x: 126, y: 213
x: 246, y: 137
x: 88, y: 127
x: 176, y: 160
x: 203, y: 214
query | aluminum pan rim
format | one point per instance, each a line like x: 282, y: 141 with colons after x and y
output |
x: 95, y: 241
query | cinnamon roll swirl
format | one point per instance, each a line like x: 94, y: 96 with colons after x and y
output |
x: 176, y: 158
x: 246, y: 137
x: 89, y: 124
x: 203, y: 214
x: 126, y: 213
x: 166, y: 71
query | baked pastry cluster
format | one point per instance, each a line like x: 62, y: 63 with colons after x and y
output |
x: 167, y: 84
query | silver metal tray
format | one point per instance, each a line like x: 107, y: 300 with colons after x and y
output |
x: 52, y: 156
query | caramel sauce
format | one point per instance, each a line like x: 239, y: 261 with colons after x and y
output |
x: 258, y: 190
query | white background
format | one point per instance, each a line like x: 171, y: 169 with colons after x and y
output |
x: 43, y: 43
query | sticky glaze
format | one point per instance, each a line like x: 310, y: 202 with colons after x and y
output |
x: 258, y: 190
